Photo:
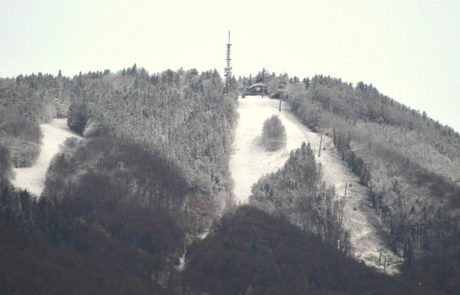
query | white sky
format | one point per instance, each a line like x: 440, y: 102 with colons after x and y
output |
x: 410, y: 50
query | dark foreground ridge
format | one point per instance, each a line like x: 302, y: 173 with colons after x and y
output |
x: 251, y: 252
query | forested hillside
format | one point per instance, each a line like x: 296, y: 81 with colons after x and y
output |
x: 183, y: 115
x: 25, y: 102
x: 298, y: 193
x: 46, y: 249
x: 251, y: 252
x: 409, y: 161
x: 150, y: 174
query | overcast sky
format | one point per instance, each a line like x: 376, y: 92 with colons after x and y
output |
x: 410, y: 50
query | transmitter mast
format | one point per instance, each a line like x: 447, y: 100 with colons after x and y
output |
x: 228, y: 69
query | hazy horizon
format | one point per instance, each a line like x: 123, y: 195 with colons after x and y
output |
x: 408, y: 50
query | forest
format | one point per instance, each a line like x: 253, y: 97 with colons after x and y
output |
x: 151, y: 175
x: 298, y: 193
x: 252, y: 252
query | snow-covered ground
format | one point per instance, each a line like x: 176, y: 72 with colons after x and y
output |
x: 32, y: 178
x: 249, y: 162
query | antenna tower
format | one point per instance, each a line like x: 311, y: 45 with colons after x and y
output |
x: 228, y: 69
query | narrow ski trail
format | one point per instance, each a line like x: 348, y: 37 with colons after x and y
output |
x: 249, y: 162
x: 32, y: 178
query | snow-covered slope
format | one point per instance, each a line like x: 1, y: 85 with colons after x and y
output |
x: 249, y: 162
x: 32, y: 178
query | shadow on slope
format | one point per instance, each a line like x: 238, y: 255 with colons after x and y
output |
x: 251, y: 252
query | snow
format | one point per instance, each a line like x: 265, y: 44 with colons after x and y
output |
x: 249, y: 161
x: 203, y: 235
x: 181, y: 263
x: 180, y: 266
x: 32, y: 178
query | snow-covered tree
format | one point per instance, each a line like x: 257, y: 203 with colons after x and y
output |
x: 273, y: 134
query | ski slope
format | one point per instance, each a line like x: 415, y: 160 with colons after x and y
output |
x: 249, y: 162
x: 32, y: 178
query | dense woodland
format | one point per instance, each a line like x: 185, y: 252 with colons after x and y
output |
x: 151, y: 173
x: 182, y: 116
x: 298, y: 193
x: 252, y: 252
x: 45, y: 248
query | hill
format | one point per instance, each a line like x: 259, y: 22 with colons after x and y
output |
x: 408, y: 161
x: 250, y: 252
x: 151, y: 174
